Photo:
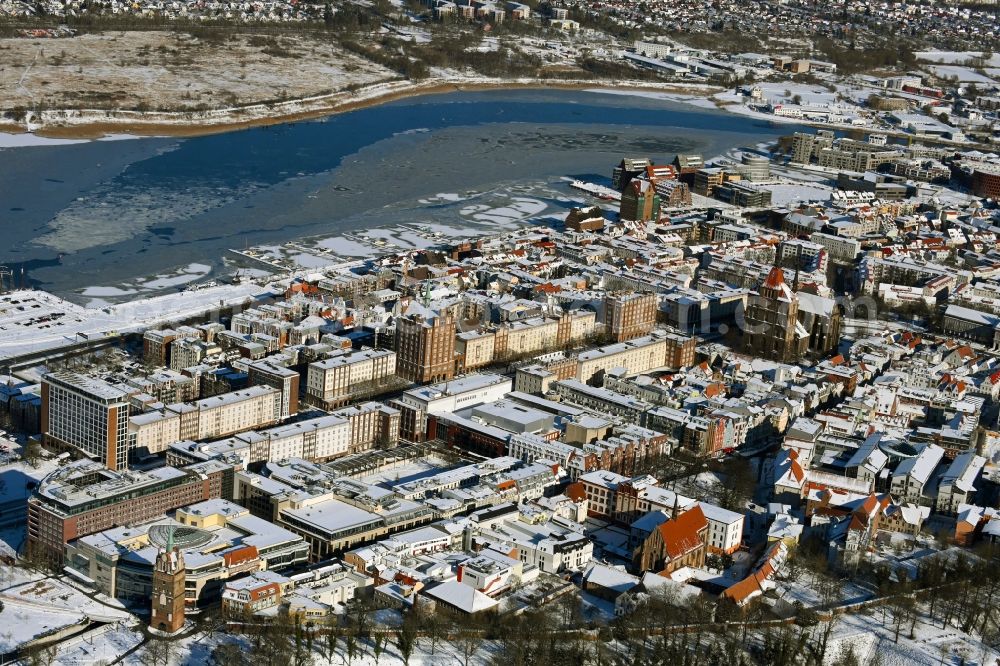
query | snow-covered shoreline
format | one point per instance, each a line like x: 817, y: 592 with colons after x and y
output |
x: 69, y: 125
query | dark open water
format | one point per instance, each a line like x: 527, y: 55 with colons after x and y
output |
x: 117, y: 210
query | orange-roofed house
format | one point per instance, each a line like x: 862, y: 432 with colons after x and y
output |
x: 759, y: 579
x: 742, y: 592
x: 676, y: 543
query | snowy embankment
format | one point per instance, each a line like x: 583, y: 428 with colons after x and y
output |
x: 320, y: 104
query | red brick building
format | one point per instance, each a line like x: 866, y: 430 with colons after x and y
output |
x: 629, y: 316
x: 425, y: 346
x: 986, y: 181
x: 679, y: 542
x: 85, y: 497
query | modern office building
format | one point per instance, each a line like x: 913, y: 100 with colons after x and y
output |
x: 88, y: 415
x: 85, y: 497
x: 217, y: 539
x: 416, y: 404
x: 986, y: 181
x: 284, y: 379
x: 707, y: 180
x: 627, y: 169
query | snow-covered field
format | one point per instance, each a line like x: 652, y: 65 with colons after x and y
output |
x: 122, y: 69
x: 963, y: 74
x: 931, y: 644
x: 955, y: 57
x: 104, y: 645
x: 58, y: 595
x: 34, y: 606
x: 22, y: 622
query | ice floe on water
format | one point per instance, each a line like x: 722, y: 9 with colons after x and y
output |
x: 519, y: 209
x: 102, y: 295
x: 345, y: 247
x: 134, y: 206
x: 415, y: 130
x: 107, y: 292
x: 456, y: 218
x: 190, y: 273
x: 32, y: 140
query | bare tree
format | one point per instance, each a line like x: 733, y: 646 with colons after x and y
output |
x: 350, y: 647
x: 468, y: 643
x: 433, y: 627
x: 157, y: 652
x: 902, y: 607
x: 32, y: 452
x: 42, y: 655
x: 739, y: 484
x: 332, y: 631
x: 229, y: 654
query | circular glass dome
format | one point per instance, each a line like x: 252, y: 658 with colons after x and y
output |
x: 182, y: 536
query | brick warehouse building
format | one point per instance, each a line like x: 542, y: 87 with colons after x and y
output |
x: 85, y: 497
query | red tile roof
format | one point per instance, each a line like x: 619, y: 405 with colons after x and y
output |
x: 797, y: 471
x: 775, y: 278
x: 743, y: 590
x: 240, y: 555
x: 681, y: 535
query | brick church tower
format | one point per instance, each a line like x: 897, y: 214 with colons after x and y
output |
x: 168, y: 589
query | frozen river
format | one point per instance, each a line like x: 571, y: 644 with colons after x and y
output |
x: 105, y: 213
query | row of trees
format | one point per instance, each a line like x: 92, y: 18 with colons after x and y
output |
x: 960, y: 591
